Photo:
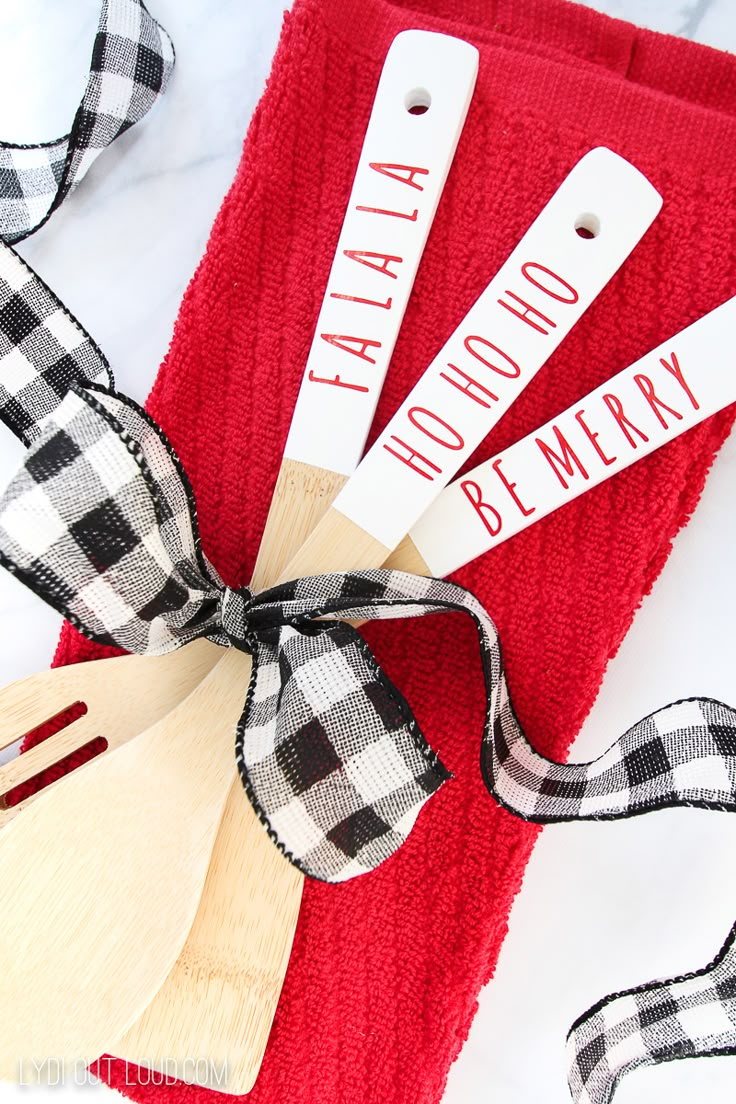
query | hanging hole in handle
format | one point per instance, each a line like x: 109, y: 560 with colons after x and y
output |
x: 587, y: 226
x: 418, y: 101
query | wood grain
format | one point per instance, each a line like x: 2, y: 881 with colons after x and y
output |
x: 337, y: 544
x: 300, y: 499
x: 83, y: 950
x: 407, y: 558
x: 123, y: 696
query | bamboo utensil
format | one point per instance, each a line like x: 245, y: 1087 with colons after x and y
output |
x: 418, y: 114
x: 101, y: 687
x: 220, y: 999
x: 422, y: 69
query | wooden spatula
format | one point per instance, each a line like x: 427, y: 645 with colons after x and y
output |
x: 441, y: 72
x: 214, y: 1001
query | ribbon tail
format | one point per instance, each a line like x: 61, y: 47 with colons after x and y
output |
x: 692, y: 1016
x: 132, y: 60
x: 43, y: 350
x: 681, y: 755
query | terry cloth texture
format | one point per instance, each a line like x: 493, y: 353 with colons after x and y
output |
x: 385, y: 971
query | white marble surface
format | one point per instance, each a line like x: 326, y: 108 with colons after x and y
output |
x: 620, y: 903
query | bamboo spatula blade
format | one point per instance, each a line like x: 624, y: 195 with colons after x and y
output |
x: 62, y: 992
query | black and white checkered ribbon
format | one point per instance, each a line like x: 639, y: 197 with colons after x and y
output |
x: 100, y: 522
x: 42, y: 346
x: 132, y: 60
x: 693, y: 1016
x: 43, y: 349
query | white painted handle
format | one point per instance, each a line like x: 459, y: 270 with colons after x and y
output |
x: 418, y: 113
x: 583, y: 235
x: 676, y: 386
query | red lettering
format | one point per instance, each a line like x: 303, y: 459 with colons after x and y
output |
x: 528, y: 310
x: 675, y: 370
x: 357, y: 299
x: 646, y: 387
x: 362, y: 255
x: 515, y: 369
x: 467, y: 387
x: 488, y: 514
x: 394, y: 214
x: 336, y: 382
x: 347, y: 343
x: 617, y: 409
x: 511, y: 488
x: 411, y: 456
x: 593, y: 438
x: 456, y: 442
x: 571, y: 297
x: 403, y: 173
x: 565, y: 461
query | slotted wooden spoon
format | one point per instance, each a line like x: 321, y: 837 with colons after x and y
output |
x: 100, y: 687
x: 304, y: 490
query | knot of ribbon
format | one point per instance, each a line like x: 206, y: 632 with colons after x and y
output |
x: 101, y: 522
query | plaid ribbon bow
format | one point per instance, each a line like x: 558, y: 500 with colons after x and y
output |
x: 131, y: 63
x: 101, y: 523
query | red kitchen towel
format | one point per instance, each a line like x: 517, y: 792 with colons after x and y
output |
x: 385, y: 972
